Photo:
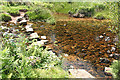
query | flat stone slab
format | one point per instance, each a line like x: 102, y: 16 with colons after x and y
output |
x: 80, y: 73
x: 43, y: 37
x: 34, y: 35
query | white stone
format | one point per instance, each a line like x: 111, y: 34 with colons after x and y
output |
x: 29, y: 30
x: 23, y: 21
x: 101, y: 36
x: 66, y: 55
x: 71, y: 66
x: 43, y: 37
x: 107, y: 69
x: 113, y: 49
x: 80, y: 73
x: 34, y: 35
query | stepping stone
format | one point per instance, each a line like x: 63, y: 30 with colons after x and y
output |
x: 80, y: 73
x: 34, y: 35
x: 66, y: 55
x: 23, y: 22
x: 29, y: 30
x: 43, y: 37
x: 28, y: 26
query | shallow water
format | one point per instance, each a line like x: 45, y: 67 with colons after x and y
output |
x: 81, y: 38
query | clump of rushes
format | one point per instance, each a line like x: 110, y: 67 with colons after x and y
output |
x: 5, y: 17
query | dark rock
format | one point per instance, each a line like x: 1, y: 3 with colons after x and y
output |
x: 70, y: 13
x: 23, y: 10
x: 19, y: 19
x: 13, y: 14
x: 26, y: 15
x: 116, y: 56
x: 100, y: 52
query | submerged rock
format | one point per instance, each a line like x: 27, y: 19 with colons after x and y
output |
x: 108, y: 51
x: 113, y: 49
x: 104, y: 60
x: 107, y: 38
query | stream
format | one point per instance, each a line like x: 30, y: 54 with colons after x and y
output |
x: 85, y: 42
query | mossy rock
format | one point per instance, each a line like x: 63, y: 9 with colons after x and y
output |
x: 5, y: 17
